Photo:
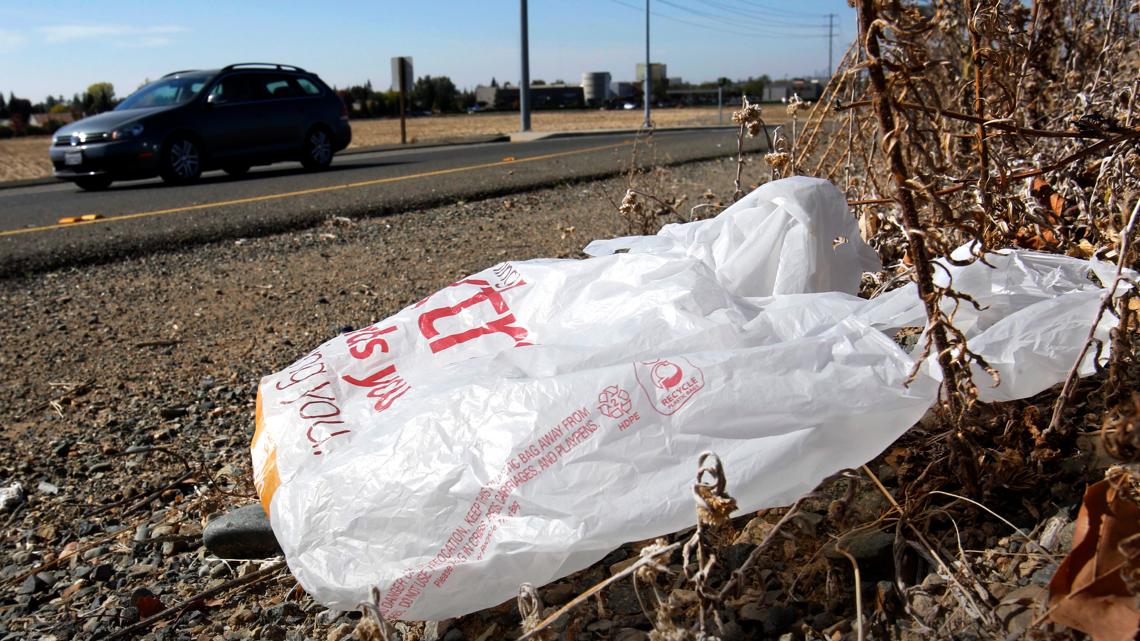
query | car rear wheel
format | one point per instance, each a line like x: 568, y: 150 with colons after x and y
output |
x: 93, y: 183
x: 318, y: 151
x: 236, y: 170
x: 181, y: 161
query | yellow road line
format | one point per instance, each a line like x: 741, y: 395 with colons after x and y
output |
x: 306, y: 192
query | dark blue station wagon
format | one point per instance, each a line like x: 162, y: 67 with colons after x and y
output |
x: 188, y: 122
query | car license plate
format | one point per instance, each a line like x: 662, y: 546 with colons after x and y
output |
x: 73, y: 158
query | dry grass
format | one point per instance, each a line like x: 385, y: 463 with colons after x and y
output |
x: 23, y: 158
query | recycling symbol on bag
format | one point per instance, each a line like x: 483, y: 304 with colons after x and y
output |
x: 614, y: 402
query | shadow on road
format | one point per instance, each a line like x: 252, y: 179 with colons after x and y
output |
x: 218, y: 178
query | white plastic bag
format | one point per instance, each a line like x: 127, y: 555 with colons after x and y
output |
x: 521, y: 423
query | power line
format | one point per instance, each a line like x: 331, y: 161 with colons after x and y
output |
x: 767, y: 20
x: 722, y: 30
x: 789, y: 13
x: 729, y: 20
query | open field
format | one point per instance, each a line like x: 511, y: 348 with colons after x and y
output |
x: 23, y: 158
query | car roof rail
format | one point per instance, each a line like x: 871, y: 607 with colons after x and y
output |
x: 175, y: 73
x: 271, y: 65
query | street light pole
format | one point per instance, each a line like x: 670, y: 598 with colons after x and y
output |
x: 524, y: 84
x: 648, y: 69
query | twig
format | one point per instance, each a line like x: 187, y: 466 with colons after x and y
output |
x: 858, y: 590
x: 943, y: 569
x: 637, y: 565
x: 169, y: 343
x: 996, y: 124
x: 252, y: 577
x: 1110, y: 295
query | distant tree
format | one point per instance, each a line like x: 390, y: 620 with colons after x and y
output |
x: 102, y: 97
x: 466, y: 100
x: 436, y: 94
x: 537, y: 83
x: 20, y: 111
x: 494, y: 83
x: 754, y: 87
x: 60, y: 108
x: 3, y: 107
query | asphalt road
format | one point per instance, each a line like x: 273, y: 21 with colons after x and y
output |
x: 132, y: 218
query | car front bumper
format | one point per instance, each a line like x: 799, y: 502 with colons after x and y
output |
x: 120, y: 159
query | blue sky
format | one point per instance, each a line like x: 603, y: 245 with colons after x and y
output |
x: 62, y: 47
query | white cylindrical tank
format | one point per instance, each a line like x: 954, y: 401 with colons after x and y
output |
x: 596, y: 86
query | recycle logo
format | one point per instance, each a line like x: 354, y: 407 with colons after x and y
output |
x: 614, y: 402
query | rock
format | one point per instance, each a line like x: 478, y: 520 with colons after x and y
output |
x: 630, y: 634
x: 103, y: 572
x: 752, y: 612
x: 558, y: 594
x: 864, y: 546
x: 32, y: 585
x: 244, y: 533
x: 284, y: 613
x: 170, y: 413
x: 1017, y: 610
x: 47, y: 488
x: 273, y: 633
x: 344, y: 631
x: 755, y: 531
x: 454, y: 634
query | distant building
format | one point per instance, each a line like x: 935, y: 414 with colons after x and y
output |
x: 622, y: 89
x: 596, y: 87
x: 656, y: 72
x: 541, y: 97
x: 809, y: 89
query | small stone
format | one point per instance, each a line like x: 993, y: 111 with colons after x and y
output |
x: 755, y: 531
x: 170, y: 413
x: 103, y: 572
x: 343, y: 631
x: 141, y: 532
x: 241, y: 617
x: 47, y: 488
x: 286, y: 613
x: 244, y: 533
x: 630, y: 634
x: 864, y: 546
x: 273, y: 633
x: 752, y: 612
x: 558, y: 594
x: 32, y: 585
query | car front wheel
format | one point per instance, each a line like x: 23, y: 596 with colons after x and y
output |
x: 318, y: 151
x: 181, y: 161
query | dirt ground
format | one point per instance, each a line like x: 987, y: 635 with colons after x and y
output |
x: 23, y: 158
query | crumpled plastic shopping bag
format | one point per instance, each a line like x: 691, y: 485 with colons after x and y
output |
x: 520, y: 423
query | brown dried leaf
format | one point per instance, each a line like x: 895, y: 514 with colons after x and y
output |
x: 1088, y: 592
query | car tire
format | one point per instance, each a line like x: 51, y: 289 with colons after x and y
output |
x: 93, y: 183
x: 181, y: 161
x: 318, y: 149
x: 236, y: 170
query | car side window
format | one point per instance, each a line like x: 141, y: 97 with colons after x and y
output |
x: 308, y: 87
x: 235, y: 88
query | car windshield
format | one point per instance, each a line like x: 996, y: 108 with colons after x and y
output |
x: 165, y: 92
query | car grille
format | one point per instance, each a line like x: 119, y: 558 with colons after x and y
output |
x: 65, y: 140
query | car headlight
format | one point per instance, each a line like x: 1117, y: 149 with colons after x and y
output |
x: 130, y: 131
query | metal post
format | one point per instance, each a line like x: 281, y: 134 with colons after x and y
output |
x: 648, y: 69
x: 524, y: 84
x: 403, y: 102
x: 720, y: 104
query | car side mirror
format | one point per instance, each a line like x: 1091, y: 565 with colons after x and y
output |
x: 213, y: 99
